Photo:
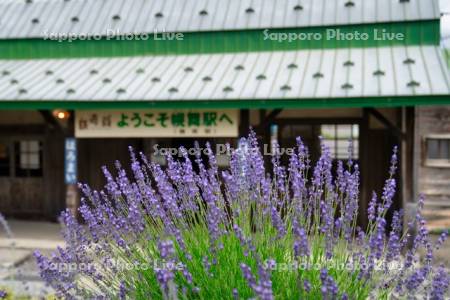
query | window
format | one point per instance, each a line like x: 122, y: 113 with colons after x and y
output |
x: 5, y: 159
x: 28, y: 158
x: 337, y: 137
x: 437, y: 151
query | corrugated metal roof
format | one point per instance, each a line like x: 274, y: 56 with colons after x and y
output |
x: 330, y: 73
x: 38, y: 18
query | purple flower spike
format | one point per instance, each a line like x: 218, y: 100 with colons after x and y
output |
x: 5, y: 226
x: 372, y: 207
x: 301, y: 245
x: 440, y: 284
x: 122, y: 290
x: 263, y: 287
x: 306, y: 286
x: 198, y: 225
x: 235, y: 294
x: 166, y: 249
x: 329, y: 287
x: 441, y: 240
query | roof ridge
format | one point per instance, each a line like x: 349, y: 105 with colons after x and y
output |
x: 125, y: 17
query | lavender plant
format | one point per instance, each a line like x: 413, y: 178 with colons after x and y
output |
x: 188, y: 231
x: 4, y: 225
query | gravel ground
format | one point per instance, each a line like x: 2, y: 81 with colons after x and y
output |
x: 22, y: 278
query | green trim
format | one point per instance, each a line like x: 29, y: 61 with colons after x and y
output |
x: 416, y: 33
x: 222, y: 104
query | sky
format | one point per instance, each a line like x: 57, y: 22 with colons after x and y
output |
x: 445, y: 22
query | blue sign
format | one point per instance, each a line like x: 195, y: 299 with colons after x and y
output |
x: 70, y: 166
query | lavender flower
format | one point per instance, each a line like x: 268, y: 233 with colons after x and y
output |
x: 165, y: 276
x: 372, y: 207
x: 441, y: 240
x: 279, y: 172
x: 166, y: 249
x: 329, y: 287
x: 247, y: 273
x: 201, y: 222
x: 440, y: 284
x: 277, y: 222
x: 306, y: 286
x: 5, y: 226
x: 122, y: 290
x: 301, y: 245
x: 235, y: 294
x: 245, y: 242
x: 262, y: 287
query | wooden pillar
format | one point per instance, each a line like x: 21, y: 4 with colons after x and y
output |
x: 244, y: 122
x: 53, y: 166
x: 413, y: 150
x: 264, y: 133
x: 53, y: 163
x: 406, y: 158
x: 365, y: 168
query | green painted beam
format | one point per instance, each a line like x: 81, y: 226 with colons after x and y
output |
x: 415, y: 33
x: 238, y: 104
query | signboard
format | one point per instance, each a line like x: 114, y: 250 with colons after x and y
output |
x: 70, y: 166
x: 156, y: 123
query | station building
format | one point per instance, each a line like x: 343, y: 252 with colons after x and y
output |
x: 80, y: 81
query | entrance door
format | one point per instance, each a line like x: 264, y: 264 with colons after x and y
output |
x: 21, y: 177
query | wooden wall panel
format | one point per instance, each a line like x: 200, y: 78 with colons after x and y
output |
x: 22, y: 197
x: 434, y: 182
x: 95, y: 153
x: 55, y: 189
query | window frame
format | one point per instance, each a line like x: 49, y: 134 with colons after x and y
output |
x: 336, y: 139
x: 28, y: 172
x: 435, y: 162
x: 11, y: 141
x: 286, y: 121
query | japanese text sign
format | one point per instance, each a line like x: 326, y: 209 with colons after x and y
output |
x: 157, y: 123
x: 70, y: 166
